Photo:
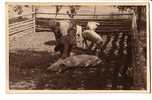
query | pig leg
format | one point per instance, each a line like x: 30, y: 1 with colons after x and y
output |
x: 65, y: 50
x: 59, y: 48
x: 99, y: 49
x: 86, y: 45
x: 70, y: 49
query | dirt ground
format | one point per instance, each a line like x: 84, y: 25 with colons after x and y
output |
x: 31, y: 54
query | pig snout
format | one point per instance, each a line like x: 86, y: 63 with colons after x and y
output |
x: 56, y: 66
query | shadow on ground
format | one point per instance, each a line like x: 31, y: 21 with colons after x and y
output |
x: 51, y: 42
x: 28, y: 66
x: 28, y: 71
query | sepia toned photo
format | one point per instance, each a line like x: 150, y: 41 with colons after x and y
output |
x: 89, y: 47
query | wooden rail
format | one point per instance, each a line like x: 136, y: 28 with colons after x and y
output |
x: 110, y: 24
x: 27, y: 25
x: 16, y: 16
x: 106, y: 25
x: 112, y: 14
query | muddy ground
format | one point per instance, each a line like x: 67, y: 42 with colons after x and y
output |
x: 31, y: 54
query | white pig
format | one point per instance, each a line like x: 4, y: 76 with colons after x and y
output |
x: 82, y: 60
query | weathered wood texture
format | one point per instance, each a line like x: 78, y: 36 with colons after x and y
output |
x: 106, y: 25
x: 19, y: 24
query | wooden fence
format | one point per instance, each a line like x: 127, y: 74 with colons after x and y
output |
x: 109, y: 23
x: 19, y: 24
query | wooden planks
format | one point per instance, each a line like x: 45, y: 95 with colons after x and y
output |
x: 21, y: 26
x: 106, y: 25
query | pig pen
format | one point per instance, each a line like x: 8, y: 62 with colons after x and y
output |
x: 31, y: 54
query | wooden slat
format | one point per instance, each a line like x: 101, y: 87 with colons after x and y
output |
x: 17, y: 23
x: 106, y: 25
x: 27, y: 31
x: 25, y: 28
x: 112, y: 31
x: 24, y: 31
x: 118, y: 14
x: 98, y: 31
x: 43, y: 29
x: 100, y: 26
x: 21, y: 25
x: 16, y: 16
x: 85, y: 19
x: 103, y: 22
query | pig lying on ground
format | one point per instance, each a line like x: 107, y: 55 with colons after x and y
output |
x: 75, y: 61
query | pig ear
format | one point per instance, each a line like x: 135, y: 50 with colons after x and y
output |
x: 97, y: 23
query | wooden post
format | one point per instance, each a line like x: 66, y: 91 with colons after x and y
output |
x: 95, y: 12
x: 134, y: 47
x: 34, y: 18
x: 138, y: 71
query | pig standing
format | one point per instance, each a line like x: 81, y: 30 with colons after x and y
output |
x: 91, y: 35
x: 67, y: 39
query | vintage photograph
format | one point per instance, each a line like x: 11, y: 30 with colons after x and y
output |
x: 77, y: 46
